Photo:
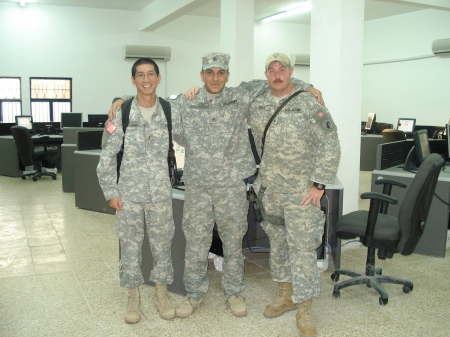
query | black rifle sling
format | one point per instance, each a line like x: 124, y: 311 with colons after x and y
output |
x: 273, y: 117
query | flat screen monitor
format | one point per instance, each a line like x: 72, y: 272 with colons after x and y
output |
x: 25, y: 121
x: 71, y: 119
x: 406, y: 125
x: 47, y: 128
x: 97, y: 120
x: 370, y: 121
x: 419, y: 152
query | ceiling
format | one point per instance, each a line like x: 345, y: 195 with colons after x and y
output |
x: 374, y: 9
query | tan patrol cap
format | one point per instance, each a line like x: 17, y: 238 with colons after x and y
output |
x: 278, y: 57
x: 213, y: 60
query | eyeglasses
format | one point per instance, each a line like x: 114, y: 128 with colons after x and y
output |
x: 150, y: 75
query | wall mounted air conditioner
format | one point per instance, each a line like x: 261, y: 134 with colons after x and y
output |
x: 153, y: 52
x: 441, y: 46
x: 300, y: 59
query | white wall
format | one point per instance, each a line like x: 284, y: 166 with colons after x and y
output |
x: 416, y: 88
x: 283, y: 37
x: 86, y: 45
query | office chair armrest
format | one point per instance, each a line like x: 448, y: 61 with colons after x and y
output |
x: 379, y: 197
x: 376, y: 200
x: 390, y: 182
x: 44, y: 143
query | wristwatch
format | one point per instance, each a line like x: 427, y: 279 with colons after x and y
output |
x: 319, y: 186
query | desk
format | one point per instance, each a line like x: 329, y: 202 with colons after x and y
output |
x: 368, y: 151
x: 68, y: 148
x: 433, y: 240
x: 85, y: 163
x: 9, y: 160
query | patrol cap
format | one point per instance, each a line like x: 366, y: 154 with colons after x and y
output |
x: 213, y: 60
x: 278, y: 57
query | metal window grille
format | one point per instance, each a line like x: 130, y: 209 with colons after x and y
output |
x: 50, y: 97
x: 10, y: 99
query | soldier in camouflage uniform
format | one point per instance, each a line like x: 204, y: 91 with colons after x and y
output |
x: 213, y: 129
x: 301, y: 156
x: 143, y: 192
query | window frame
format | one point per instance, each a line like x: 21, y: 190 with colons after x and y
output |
x: 13, y: 100
x: 50, y: 101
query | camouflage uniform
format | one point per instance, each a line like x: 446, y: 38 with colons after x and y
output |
x: 301, y: 147
x: 146, y: 194
x: 218, y: 158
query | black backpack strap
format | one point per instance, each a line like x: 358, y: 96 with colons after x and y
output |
x: 126, y: 108
x: 168, y: 113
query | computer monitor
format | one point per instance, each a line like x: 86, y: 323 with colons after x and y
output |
x: 97, y: 120
x: 25, y: 121
x: 46, y: 128
x: 419, y: 152
x: 370, y: 125
x: 406, y: 125
x: 71, y: 119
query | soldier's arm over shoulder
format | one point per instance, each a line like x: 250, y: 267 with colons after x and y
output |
x: 254, y: 88
x: 300, y: 84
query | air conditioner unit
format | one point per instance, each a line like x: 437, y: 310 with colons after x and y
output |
x: 153, y: 52
x: 300, y: 59
x: 441, y: 46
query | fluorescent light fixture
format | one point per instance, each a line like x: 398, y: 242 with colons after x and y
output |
x: 301, y: 8
x: 22, y: 3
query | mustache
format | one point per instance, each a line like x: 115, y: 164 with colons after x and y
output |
x: 278, y: 81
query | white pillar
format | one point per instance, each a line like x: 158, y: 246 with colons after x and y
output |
x: 337, y: 31
x: 237, y: 38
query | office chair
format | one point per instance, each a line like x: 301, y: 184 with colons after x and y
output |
x: 392, y: 135
x: 29, y: 154
x: 388, y: 233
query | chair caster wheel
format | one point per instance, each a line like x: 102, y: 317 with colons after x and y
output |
x: 383, y: 301
x: 335, y: 277
x: 336, y: 294
x: 35, y: 179
x: 54, y: 178
x: 407, y: 289
x: 24, y: 178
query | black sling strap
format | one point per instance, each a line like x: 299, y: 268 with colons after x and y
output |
x: 273, y: 117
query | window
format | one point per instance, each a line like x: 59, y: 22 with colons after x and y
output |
x: 10, y: 99
x: 50, y: 97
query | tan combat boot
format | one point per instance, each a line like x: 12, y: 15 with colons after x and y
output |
x: 282, y: 303
x: 133, y: 313
x: 162, y: 302
x: 305, y: 320
x: 237, y: 306
x: 187, y: 307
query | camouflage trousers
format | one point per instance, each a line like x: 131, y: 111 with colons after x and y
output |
x: 158, y: 218
x: 226, y: 206
x: 293, y: 247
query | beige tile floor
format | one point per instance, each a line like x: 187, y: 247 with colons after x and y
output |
x: 58, y: 277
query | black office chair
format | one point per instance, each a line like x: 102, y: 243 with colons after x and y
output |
x: 31, y: 155
x: 387, y: 233
x: 392, y: 135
